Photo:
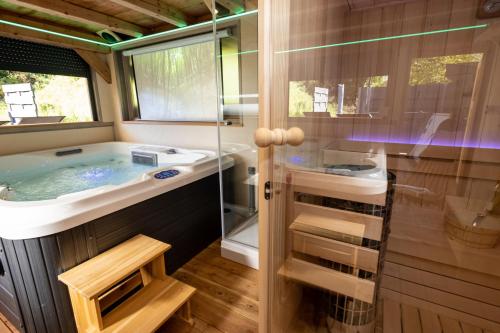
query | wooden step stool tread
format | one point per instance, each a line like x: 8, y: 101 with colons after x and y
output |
x: 329, y: 222
x: 325, y: 278
x: 147, y: 310
x: 96, y: 275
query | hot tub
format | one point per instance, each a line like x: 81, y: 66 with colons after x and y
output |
x: 64, y: 188
x: 60, y: 207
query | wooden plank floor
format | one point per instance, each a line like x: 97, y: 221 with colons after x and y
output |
x: 403, y: 318
x: 226, y: 299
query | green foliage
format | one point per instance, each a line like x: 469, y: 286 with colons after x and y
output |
x: 300, y: 100
x: 38, y: 81
x: 301, y: 97
x: 54, y: 95
x: 376, y: 81
x: 433, y: 70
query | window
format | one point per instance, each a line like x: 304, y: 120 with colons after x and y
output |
x: 43, y: 84
x: 177, y: 84
x: 176, y: 80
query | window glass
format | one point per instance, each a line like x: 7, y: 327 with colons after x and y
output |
x: 43, y: 98
x: 177, y: 84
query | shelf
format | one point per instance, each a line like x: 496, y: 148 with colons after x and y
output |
x: 325, y: 278
x: 340, y: 252
x: 330, y: 222
x: 149, y: 308
x: 364, y: 190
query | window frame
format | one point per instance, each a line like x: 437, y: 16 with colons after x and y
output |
x: 127, y: 87
x: 92, y: 90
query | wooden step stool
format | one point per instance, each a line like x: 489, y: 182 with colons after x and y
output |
x: 126, y: 289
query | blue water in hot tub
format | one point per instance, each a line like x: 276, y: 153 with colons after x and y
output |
x: 49, y: 182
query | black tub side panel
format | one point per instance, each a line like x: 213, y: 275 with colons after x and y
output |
x: 188, y: 218
x: 35, y: 264
x: 9, y: 305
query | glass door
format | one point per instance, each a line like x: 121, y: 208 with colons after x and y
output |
x: 380, y: 137
x: 238, y: 117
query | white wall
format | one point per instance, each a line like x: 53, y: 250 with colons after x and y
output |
x: 32, y: 141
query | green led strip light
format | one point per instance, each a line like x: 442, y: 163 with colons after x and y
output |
x: 417, y: 34
x: 159, y: 34
x: 59, y: 34
x: 229, y: 18
x: 186, y: 28
x: 238, y: 53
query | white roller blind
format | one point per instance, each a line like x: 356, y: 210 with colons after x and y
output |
x: 177, y: 84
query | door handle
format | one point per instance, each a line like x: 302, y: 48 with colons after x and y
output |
x: 265, y: 137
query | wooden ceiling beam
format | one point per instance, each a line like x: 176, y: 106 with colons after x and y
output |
x: 159, y: 11
x: 46, y: 38
x: 41, y: 24
x: 97, y: 63
x: 234, y: 6
x: 76, y: 13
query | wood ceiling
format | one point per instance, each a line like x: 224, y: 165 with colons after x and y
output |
x: 127, y: 18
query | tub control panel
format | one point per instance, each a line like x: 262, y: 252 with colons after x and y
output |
x: 167, y: 174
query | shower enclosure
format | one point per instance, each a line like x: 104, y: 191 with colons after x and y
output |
x: 238, y: 118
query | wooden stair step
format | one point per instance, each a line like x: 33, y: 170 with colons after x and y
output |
x: 322, y: 277
x: 96, y: 275
x: 336, y: 251
x: 149, y: 308
x: 330, y: 222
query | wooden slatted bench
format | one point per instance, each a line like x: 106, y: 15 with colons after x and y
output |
x: 126, y: 289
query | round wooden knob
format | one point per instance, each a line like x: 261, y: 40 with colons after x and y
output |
x: 264, y: 137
